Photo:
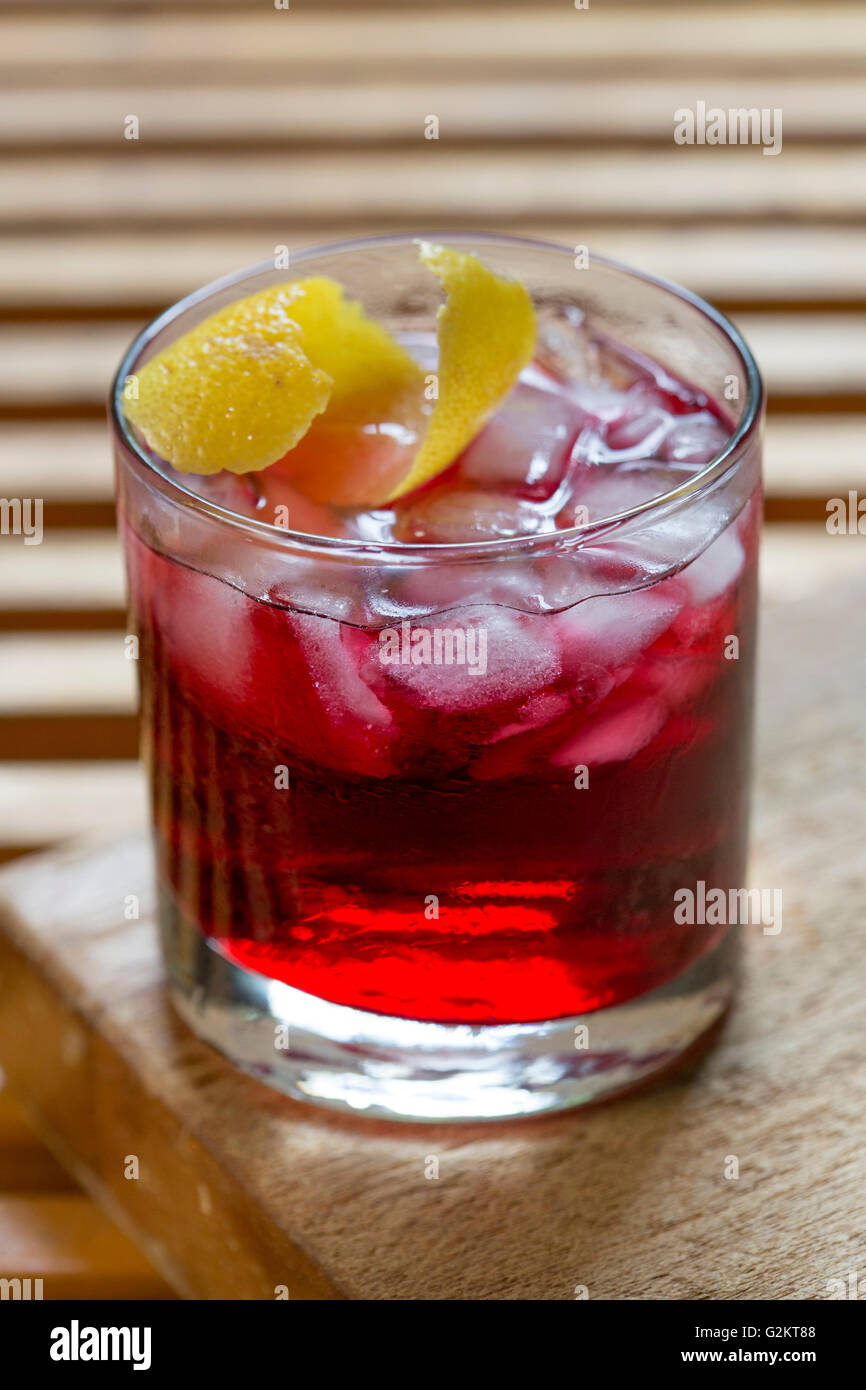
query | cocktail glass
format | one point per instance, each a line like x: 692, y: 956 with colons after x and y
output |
x: 425, y: 889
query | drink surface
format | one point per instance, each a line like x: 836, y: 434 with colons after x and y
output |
x: 491, y: 838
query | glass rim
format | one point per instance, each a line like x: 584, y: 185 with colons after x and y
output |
x: 533, y: 545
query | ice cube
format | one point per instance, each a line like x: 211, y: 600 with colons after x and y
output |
x: 637, y: 433
x: 536, y: 713
x: 599, y: 399
x: 235, y: 656
x: 234, y: 491
x: 447, y: 514
x: 210, y: 629
x: 614, y: 735
x: 335, y: 718
x: 620, y: 369
x: 694, y: 439
x: 283, y: 506
x: 716, y: 569
x: 517, y: 749
x: 611, y: 630
x: 266, y: 496
x: 335, y: 670
x: 679, y: 677
x: 606, y: 489
x: 661, y: 543
x: 527, y: 443
x: 564, y: 345
x: 497, y: 657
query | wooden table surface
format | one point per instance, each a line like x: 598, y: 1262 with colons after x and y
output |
x: 259, y: 128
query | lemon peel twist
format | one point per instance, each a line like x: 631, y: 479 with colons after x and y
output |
x: 486, y: 335
x: 242, y: 388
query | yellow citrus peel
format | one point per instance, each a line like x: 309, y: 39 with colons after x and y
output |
x: 364, y: 362
x: 486, y: 333
x: 235, y: 392
x: 243, y: 388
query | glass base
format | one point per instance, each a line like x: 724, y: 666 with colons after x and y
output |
x: 395, y: 1068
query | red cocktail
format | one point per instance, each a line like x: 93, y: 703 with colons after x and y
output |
x: 447, y: 761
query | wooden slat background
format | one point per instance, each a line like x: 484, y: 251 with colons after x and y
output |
x: 260, y: 127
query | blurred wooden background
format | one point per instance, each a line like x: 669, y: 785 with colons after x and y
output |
x: 259, y: 127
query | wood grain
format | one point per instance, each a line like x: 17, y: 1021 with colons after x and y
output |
x: 394, y: 110
x: 25, y: 1163
x: 433, y: 184
x: 67, y: 1242
x: 244, y: 1190
x: 43, y: 802
x: 818, y: 457
x: 65, y: 673
x: 49, y: 1230
x: 444, y: 39
x: 74, y: 570
x: 59, y: 461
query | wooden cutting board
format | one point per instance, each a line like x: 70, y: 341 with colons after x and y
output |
x: 241, y: 1193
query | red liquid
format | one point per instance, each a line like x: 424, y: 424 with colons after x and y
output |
x: 432, y: 857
